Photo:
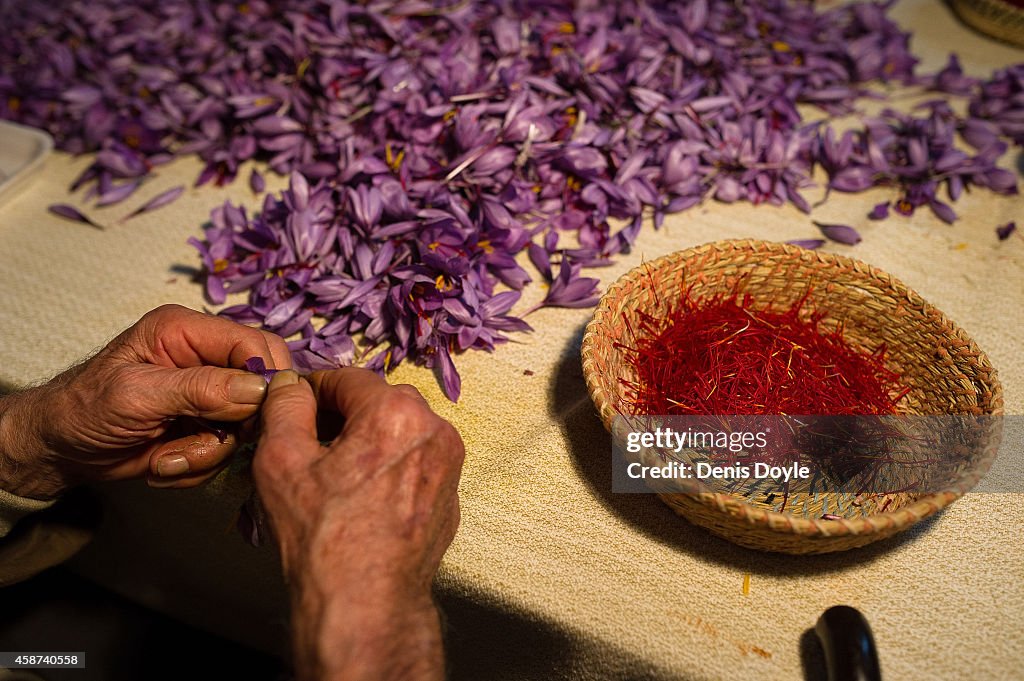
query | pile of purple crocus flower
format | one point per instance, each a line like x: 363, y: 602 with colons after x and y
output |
x: 431, y: 142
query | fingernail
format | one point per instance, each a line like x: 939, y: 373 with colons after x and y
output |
x: 283, y: 378
x: 171, y: 465
x: 247, y: 388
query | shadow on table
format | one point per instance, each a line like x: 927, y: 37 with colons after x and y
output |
x: 812, y: 657
x: 483, y: 641
x: 57, y: 611
x: 590, y: 448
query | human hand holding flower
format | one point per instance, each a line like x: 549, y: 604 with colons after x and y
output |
x: 124, y: 412
x: 362, y: 523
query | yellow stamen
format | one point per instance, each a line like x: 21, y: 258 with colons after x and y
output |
x: 442, y: 283
x: 486, y: 245
x: 574, y: 184
x: 145, y: 92
x: 398, y: 161
x: 262, y: 101
x: 219, y: 265
x: 434, y: 245
x: 13, y: 103
x: 571, y: 116
x: 243, y: 8
x: 448, y: 115
x: 387, y: 361
x: 537, y: 189
x: 556, y: 50
x: 303, y: 67
x: 566, y: 27
x: 781, y: 46
x: 388, y: 156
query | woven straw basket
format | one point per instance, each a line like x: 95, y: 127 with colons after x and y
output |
x: 997, y: 18
x: 945, y: 370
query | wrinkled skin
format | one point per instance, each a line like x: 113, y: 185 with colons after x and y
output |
x: 362, y: 522
x: 130, y: 410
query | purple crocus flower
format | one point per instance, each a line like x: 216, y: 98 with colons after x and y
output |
x: 418, y: 176
x: 569, y: 289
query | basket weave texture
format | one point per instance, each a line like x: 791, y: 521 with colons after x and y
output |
x: 996, y: 18
x: 945, y: 370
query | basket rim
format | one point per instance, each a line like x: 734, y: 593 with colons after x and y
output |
x: 734, y: 506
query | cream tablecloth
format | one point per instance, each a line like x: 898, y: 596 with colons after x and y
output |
x: 552, y: 575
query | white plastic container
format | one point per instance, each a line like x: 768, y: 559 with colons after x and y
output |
x: 22, y: 150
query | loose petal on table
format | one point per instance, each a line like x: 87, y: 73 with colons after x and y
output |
x: 71, y: 213
x: 158, y: 201
x: 810, y: 244
x: 843, y: 234
x: 879, y: 212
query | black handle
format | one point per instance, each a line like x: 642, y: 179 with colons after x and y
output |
x: 849, y: 647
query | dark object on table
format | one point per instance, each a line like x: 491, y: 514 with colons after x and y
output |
x: 1003, y: 19
x: 850, y: 653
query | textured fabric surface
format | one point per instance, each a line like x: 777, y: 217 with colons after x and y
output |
x: 48, y: 535
x: 13, y: 508
x: 552, y: 575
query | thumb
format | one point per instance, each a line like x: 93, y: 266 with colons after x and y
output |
x: 289, y: 414
x: 207, y: 392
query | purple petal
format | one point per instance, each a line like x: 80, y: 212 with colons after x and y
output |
x: 257, y: 366
x: 158, y: 201
x: 880, y: 211
x: 71, y: 213
x: 1006, y: 230
x: 256, y: 182
x: 252, y: 521
x: 852, y: 179
x: 943, y: 210
x: 283, y: 312
x: 843, y: 234
x: 809, y: 244
x: 118, y: 193
x: 276, y: 125
x: 450, y: 379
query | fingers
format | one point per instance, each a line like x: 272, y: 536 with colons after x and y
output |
x: 280, y: 355
x: 190, y: 460
x: 411, y: 391
x: 289, y: 415
x: 172, y: 335
x: 349, y: 390
x: 204, y: 391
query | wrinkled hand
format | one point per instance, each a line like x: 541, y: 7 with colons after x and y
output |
x: 123, y: 413
x: 362, y: 523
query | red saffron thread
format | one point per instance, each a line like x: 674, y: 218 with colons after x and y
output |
x: 720, y: 356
